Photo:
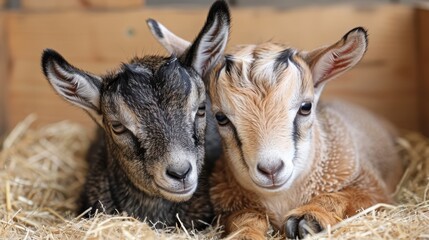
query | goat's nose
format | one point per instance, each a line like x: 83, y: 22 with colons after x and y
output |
x: 270, y: 170
x: 179, y: 173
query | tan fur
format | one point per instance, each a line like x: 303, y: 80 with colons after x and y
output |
x: 349, y: 161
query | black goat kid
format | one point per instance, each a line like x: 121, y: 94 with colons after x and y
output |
x: 148, y: 156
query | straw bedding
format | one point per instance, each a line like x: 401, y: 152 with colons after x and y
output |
x: 42, y: 171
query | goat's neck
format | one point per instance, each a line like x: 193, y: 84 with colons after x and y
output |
x: 157, y: 209
x: 125, y: 195
x: 334, y: 163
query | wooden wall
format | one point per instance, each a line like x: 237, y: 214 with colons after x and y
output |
x: 4, y: 70
x: 386, y: 81
x: 422, y: 24
x: 75, y: 4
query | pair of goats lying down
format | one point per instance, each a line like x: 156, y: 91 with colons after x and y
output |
x: 303, y: 163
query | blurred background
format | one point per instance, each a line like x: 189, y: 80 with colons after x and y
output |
x: 187, y: 3
x: 97, y: 35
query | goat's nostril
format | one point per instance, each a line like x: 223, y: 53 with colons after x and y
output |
x: 270, y: 170
x: 179, y: 173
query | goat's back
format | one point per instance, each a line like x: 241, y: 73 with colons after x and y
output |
x: 373, y: 138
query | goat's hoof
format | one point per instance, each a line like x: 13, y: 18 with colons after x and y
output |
x: 301, y: 226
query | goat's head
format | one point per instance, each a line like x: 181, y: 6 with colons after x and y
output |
x: 152, y: 109
x: 264, y: 98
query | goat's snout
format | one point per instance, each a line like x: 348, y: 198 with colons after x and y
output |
x: 179, y: 173
x: 270, y: 170
x: 271, y: 173
x: 178, y: 178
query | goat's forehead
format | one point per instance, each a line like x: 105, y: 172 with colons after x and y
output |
x: 140, y: 85
x: 264, y: 63
x: 262, y: 74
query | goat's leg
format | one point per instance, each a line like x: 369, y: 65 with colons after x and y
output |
x: 246, y: 224
x: 329, y: 209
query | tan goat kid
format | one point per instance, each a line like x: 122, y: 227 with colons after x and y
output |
x: 303, y: 167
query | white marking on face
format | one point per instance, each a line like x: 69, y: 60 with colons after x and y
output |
x: 180, y: 160
x: 271, y: 158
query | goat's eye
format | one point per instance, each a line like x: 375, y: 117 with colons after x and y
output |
x: 221, y: 119
x: 305, y: 108
x: 118, y: 127
x: 201, y: 110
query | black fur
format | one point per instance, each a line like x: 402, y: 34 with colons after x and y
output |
x: 111, y: 192
x: 156, y: 90
x: 284, y: 57
x: 155, y: 26
x: 219, y: 10
x: 159, y: 96
x: 228, y: 63
x: 239, y: 143
x: 151, y: 99
x: 50, y: 56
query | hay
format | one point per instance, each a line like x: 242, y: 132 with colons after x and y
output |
x: 42, y: 172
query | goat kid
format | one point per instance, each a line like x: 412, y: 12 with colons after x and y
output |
x: 306, y: 167
x: 304, y: 163
x: 149, y: 150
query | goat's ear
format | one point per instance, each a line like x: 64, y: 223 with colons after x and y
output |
x: 171, y: 42
x: 76, y: 86
x: 210, y: 43
x: 327, y: 63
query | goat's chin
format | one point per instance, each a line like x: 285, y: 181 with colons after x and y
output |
x: 177, y: 195
x: 264, y: 186
x: 272, y: 188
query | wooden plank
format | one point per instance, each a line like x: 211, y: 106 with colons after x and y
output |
x: 79, y: 4
x: 3, y: 75
x: 385, y: 81
x: 114, y: 4
x: 97, y: 42
x: 422, y: 23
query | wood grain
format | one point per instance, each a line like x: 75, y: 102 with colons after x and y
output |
x: 3, y: 75
x: 422, y: 23
x: 385, y: 81
x: 94, y: 41
x: 79, y: 4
